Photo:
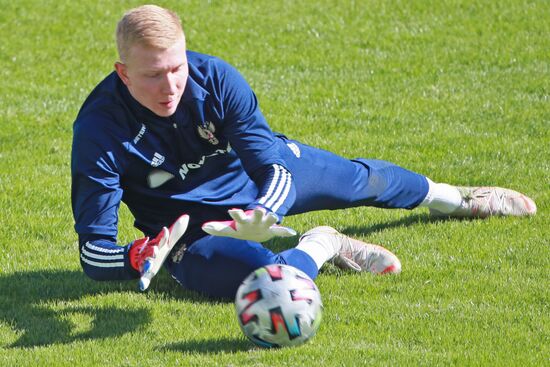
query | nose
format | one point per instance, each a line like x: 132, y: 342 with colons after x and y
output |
x: 170, y: 84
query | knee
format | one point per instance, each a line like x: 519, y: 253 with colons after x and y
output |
x: 376, y: 164
x: 91, y: 272
x: 216, y: 277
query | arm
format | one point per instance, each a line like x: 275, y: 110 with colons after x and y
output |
x: 276, y: 189
x: 254, y: 142
x: 95, y: 196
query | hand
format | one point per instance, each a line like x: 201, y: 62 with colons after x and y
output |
x: 148, y: 256
x: 256, y: 225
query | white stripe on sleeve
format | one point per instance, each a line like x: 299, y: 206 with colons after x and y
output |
x: 105, y: 250
x: 277, y: 169
x: 283, y: 197
x: 102, y: 265
x: 102, y: 257
x: 280, y: 191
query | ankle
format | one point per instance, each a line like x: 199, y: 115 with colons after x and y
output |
x: 442, y: 197
x: 320, y: 244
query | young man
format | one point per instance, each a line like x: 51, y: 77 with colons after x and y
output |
x: 179, y: 137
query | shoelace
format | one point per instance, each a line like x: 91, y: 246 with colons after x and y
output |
x: 348, y: 248
x: 488, y: 200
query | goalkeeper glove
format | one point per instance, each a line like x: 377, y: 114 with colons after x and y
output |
x: 256, y: 225
x: 148, y: 256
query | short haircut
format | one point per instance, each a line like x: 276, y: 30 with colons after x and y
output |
x: 148, y: 25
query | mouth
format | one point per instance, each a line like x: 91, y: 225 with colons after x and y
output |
x: 168, y: 104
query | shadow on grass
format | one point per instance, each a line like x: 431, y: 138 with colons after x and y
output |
x: 37, y: 306
x: 48, y: 307
x: 40, y: 306
x: 213, y: 346
x: 407, y: 221
x: 281, y: 244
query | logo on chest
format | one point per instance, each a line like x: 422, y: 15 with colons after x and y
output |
x: 206, y: 131
x: 158, y: 177
x: 157, y: 160
x: 140, y: 134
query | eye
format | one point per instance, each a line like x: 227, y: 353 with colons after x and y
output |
x: 179, y: 68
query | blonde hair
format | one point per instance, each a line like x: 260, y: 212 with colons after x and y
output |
x: 148, y: 25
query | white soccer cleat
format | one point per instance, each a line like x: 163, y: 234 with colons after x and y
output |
x: 168, y: 239
x: 357, y: 255
x: 482, y: 202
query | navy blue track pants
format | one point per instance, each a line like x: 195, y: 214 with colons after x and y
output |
x: 215, y: 266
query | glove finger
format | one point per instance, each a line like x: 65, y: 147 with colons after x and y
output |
x: 257, y: 215
x: 238, y: 215
x: 158, y: 238
x: 146, y: 276
x: 164, y: 235
x: 177, y: 229
x: 144, y: 283
x: 281, y: 231
x: 219, y: 228
x: 141, y: 244
x: 270, y: 219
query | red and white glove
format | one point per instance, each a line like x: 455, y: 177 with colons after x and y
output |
x: 256, y: 225
x: 147, y: 256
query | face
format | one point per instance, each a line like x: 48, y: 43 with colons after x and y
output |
x: 156, y: 78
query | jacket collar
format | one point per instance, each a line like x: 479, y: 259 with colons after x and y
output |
x: 193, y: 91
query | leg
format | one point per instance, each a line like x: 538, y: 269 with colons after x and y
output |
x: 482, y: 202
x: 325, y: 243
x: 216, y: 266
x: 327, y: 181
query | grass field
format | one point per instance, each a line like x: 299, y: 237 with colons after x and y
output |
x: 456, y: 90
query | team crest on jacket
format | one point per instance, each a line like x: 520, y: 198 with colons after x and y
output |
x: 206, y: 131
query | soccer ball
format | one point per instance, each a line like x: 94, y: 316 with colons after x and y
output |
x: 278, y: 306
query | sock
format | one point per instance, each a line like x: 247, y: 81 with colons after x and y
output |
x: 319, y: 247
x: 300, y: 260
x: 442, y: 197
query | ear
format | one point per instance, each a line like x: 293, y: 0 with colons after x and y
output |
x: 122, y: 71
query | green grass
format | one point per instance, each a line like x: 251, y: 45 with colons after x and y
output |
x: 456, y: 90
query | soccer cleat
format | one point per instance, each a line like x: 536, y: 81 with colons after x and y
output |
x: 357, y: 255
x: 482, y: 202
x: 148, y: 256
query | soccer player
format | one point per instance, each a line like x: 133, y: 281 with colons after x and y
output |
x: 179, y: 137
